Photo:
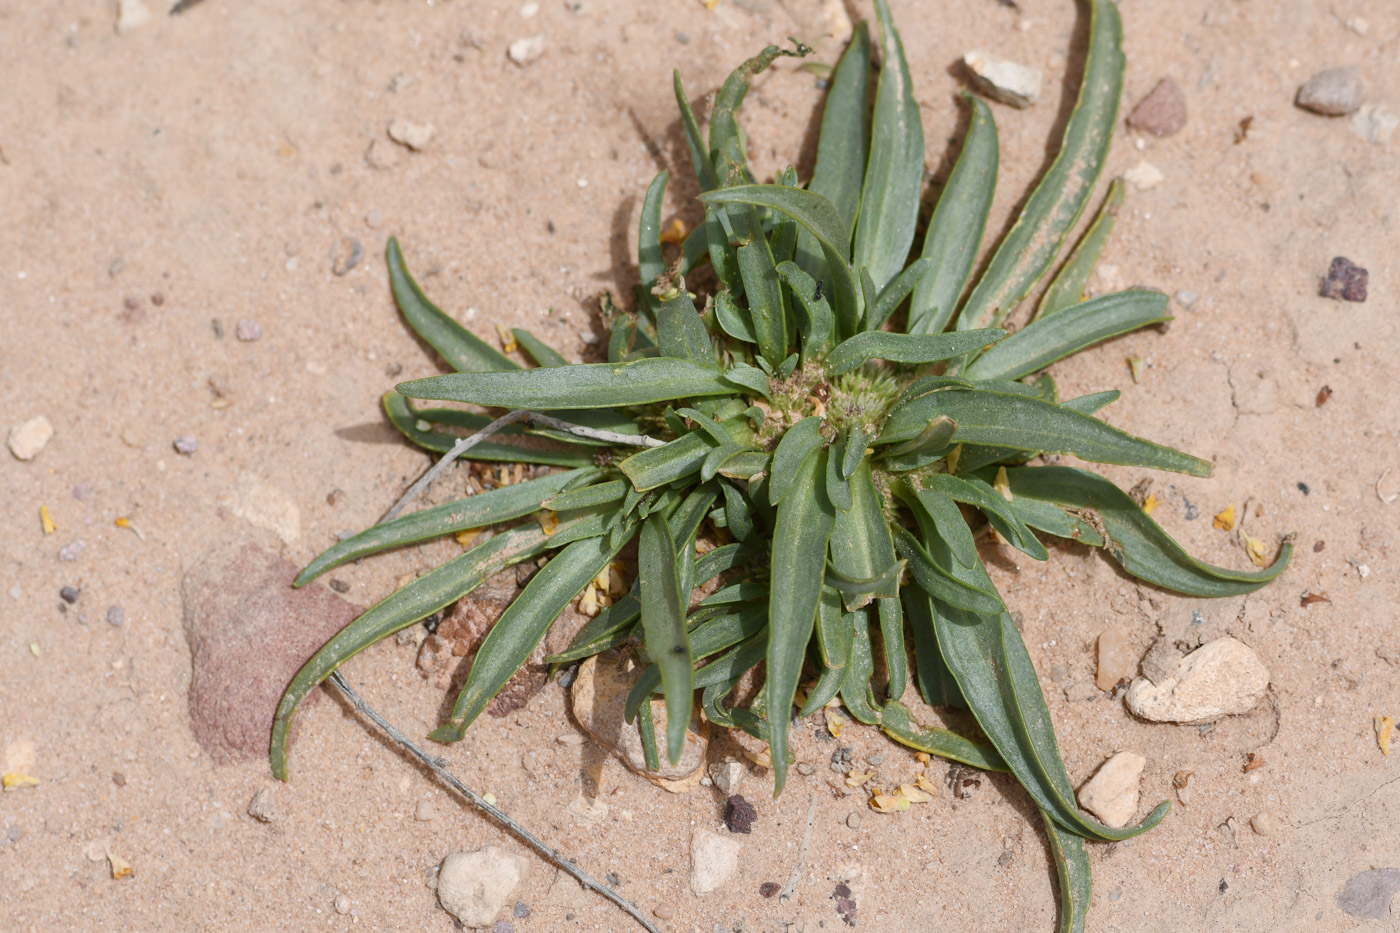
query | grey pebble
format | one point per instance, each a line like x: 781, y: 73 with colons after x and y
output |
x: 1186, y: 298
x: 72, y: 550
x: 876, y: 759
x: 1334, y: 92
x: 186, y: 444
x: 115, y: 617
x: 805, y: 768
x: 1058, y: 673
x: 16, y: 592
x: 340, y: 586
x: 503, y: 926
x: 70, y: 594
x: 248, y: 331
x: 853, y: 819
x: 1368, y: 894
x: 521, y: 909
x: 342, y: 904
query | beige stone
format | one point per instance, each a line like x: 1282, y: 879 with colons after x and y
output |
x: 714, y: 859
x: 1116, y: 660
x: 474, y: 886
x: 1112, y: 793
x: 27, y: 439
x: 1221, y: 678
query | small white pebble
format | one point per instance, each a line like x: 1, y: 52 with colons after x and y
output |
x: 342, y: 904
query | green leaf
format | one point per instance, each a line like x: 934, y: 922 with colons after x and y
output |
x: 856, y: 693
x: 411, y: 422
x: 791, y: 456
x: 726, y: 139
x: 463, y: 350
x: 905, y: 348
x: 855, y: 448
x: 833, y: 632
x: 816, y: 214
x: 955, y: 230
x: 892, y: 294
x: 733, y: 318
x: 1030, y: 247
x: 541, y: 352
x: 889, y: 205
x: 861, y: 549
x: 891, y: 615
x: 679, y: 330
x: 487, y: 508
x: 838, y: 487
x: 1018, y: 422
x: 763, y: 289
x: 896, y: 722
x: 804, y: 523
x: 695, y: 251
x: 611, y: 627
x: 657, y: 466
x: 650, y: 261
x: 725, y: 557
x: 749, y: 377
x: 842, y: 145
x: 588, y: 385
x: 398, y: 611
x: 1074, y: 873
x: 936, y: 683
x: 730, y: 666
x: 663, y: 622
x: 939, y: 581
x: 646, y: 726
x: 699, y: 157
x: 1136, y: 541
x: 1093, y: 403
x: 738, y: 515
x: 932, y: 444
x: 514, y: 636
x: 580, y: 498
x: 812, y: 312
x: 1067, y: 289
x: 1057, y: 336
x: 983, y: 497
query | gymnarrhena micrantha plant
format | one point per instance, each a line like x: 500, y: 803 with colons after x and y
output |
x: 844, y: 469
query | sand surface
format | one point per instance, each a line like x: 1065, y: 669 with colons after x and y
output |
x: 218, y: 159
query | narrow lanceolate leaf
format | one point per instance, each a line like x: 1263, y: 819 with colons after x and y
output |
x: 812, y: 312
x: 817, y: 215
x: 580, y: 498
x: 936, y: 683
x: 861, y: 548
x: 955, y: 230
x: 487, y: 508
x: 842, y: 146
x: 658, y: 466
x: 857, y: 695
x: 940, y: 581
x: 733, y: 318
x: 1136, y: 541
x: 663, y: 625
x: 889, y: 205
x: 1018, y: 422
x: 417, y: 426
x: 404, y: 607
x: 986, y: 655
x: 975, y: 492
x: 906, y: 348
x: 1072, y: 868
x: 679, y: 330
x: 589, y: 385
x: 1067, y: 288
x: 895, y: 292
x: 764, y: 290
x: 900, y: 726
x: 790, y: 457
x: 542, y: 353
x: 804, y: 523
x: 1032, y: 244
x: 749, y: 377
x: 699, y: 155
x: 1052, y: 338
x: 726, y: 141
x: 463, y: 350
x: 933, y: 443
x: 510, y: 642
x: 649, y: 259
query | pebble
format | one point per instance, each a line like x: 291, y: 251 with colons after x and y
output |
x: 714, y: 859
x: 474, y: 886
x: 131, y: 14
x: 69, y: 594
x: 1187, y: 298
x: 1334, y: 92
x: 1162, y: 112
x: 248, y: 331
x: 805, y: 769
x: 342, y: 904
x: 853, y: 819
x: 664, y: 912
x: 186, y: 444
x: 1345, y: 281
x: 415, y: 136
x: 271, y: 509
x: 1144, y: 176
x: 1264, y: 823
x: 73, y: 550
x: 739, y: 815
x: 571, y: 739
x: 381, y: 155
x: 347, y: 255
x: 27, y: 439
x: 525, y: 51
x: 1006, y: 81
x: 1374, y: 123
x: 727, y: 775
x: 263, y: 806
x: 1221, y: 678
x: 425, y: 811
x: 520, y: 910
x: 1368, y: 894
x: 115, y: 616
x: 16, y: 592
x: 1116, y: 659
x: 1112, y: 793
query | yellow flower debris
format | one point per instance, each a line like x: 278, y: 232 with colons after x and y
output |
x: 465, y: 538
x: 1256, y: 551
x: 549, y: 521
x: 46, y: 520
x: 508, y: 344
x: 1135, y: 366
x: 763, y: 757
x: 953, y: 459
x: 34, y: 649
x: 588, y: 603
x: 1225, y: 520
x: 914, y: 794
x: 1385, y: 728
x: 922, y: 782
x: 17, y: 779
x: 121, y: 868
x: 1150, y: 504
x: 882, y: 802
x: 923, y: 758
x: 675, y: 233
x: 835, y: 722
x: 857, y: 778
x: 1002, y: 484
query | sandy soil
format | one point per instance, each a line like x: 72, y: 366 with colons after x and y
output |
x: 218, y: 159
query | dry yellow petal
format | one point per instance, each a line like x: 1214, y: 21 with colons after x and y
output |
x: 34, y: 648
x: 601, y: 580
x: 888, y: 803
x: 835, y: 722
x: 121, y: 868
x: 763, y: 757
x: 1135, y: 365
x: 617, y: 583
x: 465, y: 538
x: 46, y: 521
x: 924, y: 784
x: 857, y: 778
x: 16, y: 779
x: 1002, y: 484
x: 1150, y: 504
x: 549, y: 521
x: 122, y: 522
x: 489, y: 798
x: 1385, y: 727
x: 503, y: 476
x: 923, y: 758
x: 1256, y: 551
x: 1225, y: 520
x: 913, y: 794
x: 507, y: 338
x: 588, y: 605
x: 674, y: 233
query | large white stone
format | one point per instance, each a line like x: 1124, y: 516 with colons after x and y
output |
x: 27, y: 439
x: 474, y: 886
x: 1003, y: 80
x: 1221, y: 678
x: 1112, y: 793
x: 714, y: 859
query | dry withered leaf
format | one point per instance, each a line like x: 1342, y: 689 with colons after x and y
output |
x: 121, y: 868
x: 1310, y: 597
x: 835, y: 722
x: 857, y: 778
x: 913, y: 794
x: 1323, y: 394
x: 1253, y: 762
x: 1182, y: 778
x: 1385, y: 728
x: 882, y: 802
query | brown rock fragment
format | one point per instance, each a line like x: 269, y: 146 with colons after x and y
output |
x: 1162, y: 112
x: 1345, y: 281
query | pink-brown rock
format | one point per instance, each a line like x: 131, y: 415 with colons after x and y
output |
x: 1116, y: 659
x: 249, y: 632
x: 1162, y: 112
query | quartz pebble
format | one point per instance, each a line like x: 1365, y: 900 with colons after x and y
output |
x: 525, y: 51
x: 1144, y: 176
x: 248, y: 331
x: 1116, y: 660
x: 27, y: 439
x: 415, y: 136
x: 1334, y: 92
x: 727, y: 775
x: 263, y: 806
x: 1006, y: 81
x: 1112, y: 793
x: 186, y: 444
x: 425, y: 811
x: 1221, y: 678
x: 474, y: 886
x: 115, y: 616
x: 713, y: 860
x: 1264, y: 823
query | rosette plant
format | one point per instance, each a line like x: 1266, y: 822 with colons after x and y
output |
x: 828, y: 431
